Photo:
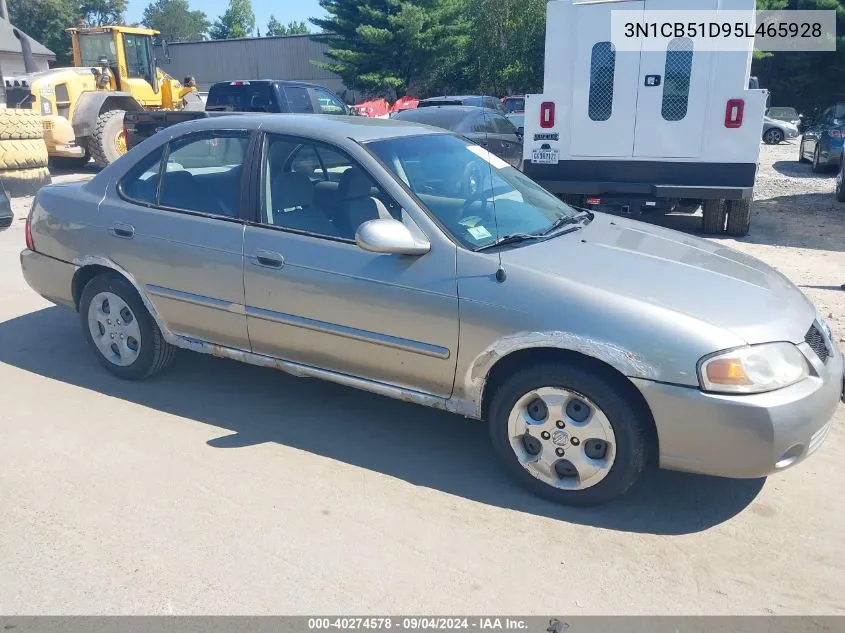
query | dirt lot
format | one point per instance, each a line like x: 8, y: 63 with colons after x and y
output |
x: 224, y: 488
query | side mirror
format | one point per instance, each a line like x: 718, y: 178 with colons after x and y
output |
x: 800, y: 116
x: 390, y: 236
x: 520, y: 132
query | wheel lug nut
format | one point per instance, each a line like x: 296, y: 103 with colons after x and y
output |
x: 559, y: 452
x: 575, y: 441
x: 108, y: 321
x: 546, y: 435
x: 111, y: 335
x: 560, y: 424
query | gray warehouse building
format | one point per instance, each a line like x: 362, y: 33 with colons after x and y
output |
x: 287, y: 57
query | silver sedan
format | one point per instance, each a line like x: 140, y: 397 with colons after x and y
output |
x: 407, y: 261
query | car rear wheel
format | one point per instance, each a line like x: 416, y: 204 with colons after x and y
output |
x: 120, y: 330
x: 773, y: 136
x: 839, y: 187
x: 739, y: 217
x: 569, y: 434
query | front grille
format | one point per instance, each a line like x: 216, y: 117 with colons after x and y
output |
x: 815, y: 339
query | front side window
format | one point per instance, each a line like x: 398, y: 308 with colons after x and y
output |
x: 677, y: 75
x: 329, y: 104
x: 475, y: 196
x: 203, y: 173
x: 317, y: 189
x: 602, y: 78
x: 95, y: 46
x: 137, y: 51
x: 299, y: 100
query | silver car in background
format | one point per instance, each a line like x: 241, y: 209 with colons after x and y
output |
x: 775, y: 131
x: 358, y: 251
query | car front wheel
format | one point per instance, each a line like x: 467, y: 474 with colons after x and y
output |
x: 773, y: 136
x: 569, y: 434
x: 120, y: 330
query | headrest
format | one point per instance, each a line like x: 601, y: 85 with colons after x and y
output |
x: 354, y: 183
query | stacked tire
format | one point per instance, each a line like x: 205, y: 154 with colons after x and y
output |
x: 23, y: 154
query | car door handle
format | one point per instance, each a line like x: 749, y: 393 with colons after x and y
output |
x: 126, y: 231
x: 268, y: 259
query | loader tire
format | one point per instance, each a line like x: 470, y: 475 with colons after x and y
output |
x: 714, y: 216
x: 24, y: 182
x: 108, y: 141
x: 23, y: 154
x: 18, y: 124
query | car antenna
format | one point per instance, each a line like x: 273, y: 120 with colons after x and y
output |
x: 501, y: 273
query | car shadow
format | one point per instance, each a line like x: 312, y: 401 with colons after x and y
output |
x: 421, y: 446
x: 794, y: 169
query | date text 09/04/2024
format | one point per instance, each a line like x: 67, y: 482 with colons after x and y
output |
x: 417, y: 623
x: 722, y: 29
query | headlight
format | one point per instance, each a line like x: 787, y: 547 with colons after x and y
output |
x: 754, y: 369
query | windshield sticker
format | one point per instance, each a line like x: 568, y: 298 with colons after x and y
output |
x: 479, y: 233
x: 482, y: 153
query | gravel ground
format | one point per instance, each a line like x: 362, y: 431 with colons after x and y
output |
x: 208, y: 490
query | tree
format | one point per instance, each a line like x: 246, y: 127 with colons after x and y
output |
x: 45, y: 21
x: 274, y: 27
x: 102, y: 12
x: 175, y: 20
x: 237, y: 21
x: 386, y: 47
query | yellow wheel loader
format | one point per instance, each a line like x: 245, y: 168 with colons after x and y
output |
x: 82, y: 107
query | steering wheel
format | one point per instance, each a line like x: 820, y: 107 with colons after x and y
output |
x: 482, y: 196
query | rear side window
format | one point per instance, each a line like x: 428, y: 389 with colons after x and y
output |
x: 602, y: 78
x: 299, y: 101
x: 242, y: 97
x: 502, y: 125
x: 141, y: 184
x: 676, y: 84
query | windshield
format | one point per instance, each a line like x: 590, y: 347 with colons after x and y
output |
x: 477, y: 197
x: 515, y: 104
x: 94, y: 46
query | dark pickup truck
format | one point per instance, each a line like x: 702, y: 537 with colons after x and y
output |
x: 263, y: 95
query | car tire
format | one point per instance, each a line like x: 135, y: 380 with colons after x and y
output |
x: 773, y: 136
x: 610, y: 405
x: 108, y: 141
x: 739, y: 217
x: 839, y: 187
x: 801, y: 157
x: 818, y: 168
x: 102, y: 306
x: 714, y: 212
x: 24, y: 182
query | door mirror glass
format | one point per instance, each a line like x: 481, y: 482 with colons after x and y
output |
x: 520, y: 132
x: 390, y: 236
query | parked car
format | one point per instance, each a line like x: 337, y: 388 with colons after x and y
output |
x: 6, y: 215
x: 822, y: 141
x: 481, y: 101
x: 514, y: 103
x: 790, y: 115
x: 488, y: 128
x: 358, y: 251
x: 775, y: 132
x: 227, y: 97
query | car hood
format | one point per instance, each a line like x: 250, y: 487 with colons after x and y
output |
x: 678, y: 272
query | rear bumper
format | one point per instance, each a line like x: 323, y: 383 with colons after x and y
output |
x: 51, y: 278
x: 745, y: 436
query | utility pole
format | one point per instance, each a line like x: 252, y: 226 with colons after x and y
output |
x: 4, y: 10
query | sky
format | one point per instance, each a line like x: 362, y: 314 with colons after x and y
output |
x: 284, y: 10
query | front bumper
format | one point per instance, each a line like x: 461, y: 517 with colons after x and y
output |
x: 745, y: 436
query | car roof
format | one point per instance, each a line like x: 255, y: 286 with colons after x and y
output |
x: 457, y: 97
x: 282, y: 82
x: 320, y: 126
x: 453, y: 108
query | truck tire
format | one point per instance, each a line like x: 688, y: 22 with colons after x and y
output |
x: 739, y: 217
x: 17, y: 124
x: 714, y: 216
x: 24, y: 182
x: 25, y: 154
x: 108, y: 142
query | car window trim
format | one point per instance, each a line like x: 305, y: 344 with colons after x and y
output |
x: 262, y: 171
x: 165, y: 155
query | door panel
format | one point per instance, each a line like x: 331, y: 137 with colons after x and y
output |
x: 603, y: 119
x: 331, y: 305
x: 671, y: 117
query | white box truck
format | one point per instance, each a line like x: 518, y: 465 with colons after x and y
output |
x: 649, y: 129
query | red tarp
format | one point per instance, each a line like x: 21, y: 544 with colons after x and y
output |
x: 405, y: 103
x: 373, y: 108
